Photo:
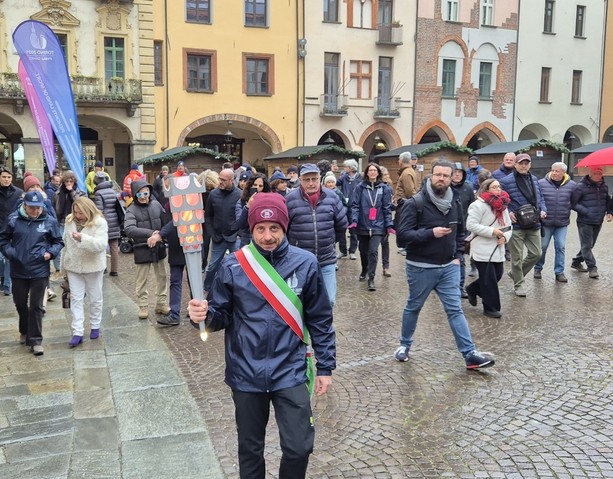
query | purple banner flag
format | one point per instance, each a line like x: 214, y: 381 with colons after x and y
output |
x: 45, y: 132
x: 43, y: 60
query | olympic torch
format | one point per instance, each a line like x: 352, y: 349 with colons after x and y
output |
x: 185, y: 194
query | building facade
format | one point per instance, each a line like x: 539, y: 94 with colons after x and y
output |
x: 465, y: 71
x: 108, y: 49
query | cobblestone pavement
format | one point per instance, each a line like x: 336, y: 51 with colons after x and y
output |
x: 544, y: 410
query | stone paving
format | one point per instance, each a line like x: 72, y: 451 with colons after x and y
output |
x: 121, y: 407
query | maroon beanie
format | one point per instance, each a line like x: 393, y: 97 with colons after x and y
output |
x: 29, y: 181
x: 268, y: 207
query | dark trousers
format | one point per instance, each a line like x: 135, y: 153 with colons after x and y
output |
x: 296, y: 431
x: 369, y: 253
x: 487, y: 285
x: 588, y: 234
x: 176, y: 290
x: 353, y: 241
x: 30, y: 316
x: 385, y: 252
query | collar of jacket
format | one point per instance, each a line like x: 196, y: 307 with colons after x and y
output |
x: 274, y: 256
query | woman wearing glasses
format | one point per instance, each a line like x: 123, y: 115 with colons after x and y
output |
x: 144, y: 218
x: 490, y: 225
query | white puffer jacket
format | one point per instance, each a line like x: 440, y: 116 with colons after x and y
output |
x: 481, y: 222
x: 89, y: 254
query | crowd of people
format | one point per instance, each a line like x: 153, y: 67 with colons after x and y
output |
x: 270, y: 253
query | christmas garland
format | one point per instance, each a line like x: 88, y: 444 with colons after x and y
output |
x: 442, y: 145
x: 545, y: 144
x: 332, y: 149
x: 184, y: 154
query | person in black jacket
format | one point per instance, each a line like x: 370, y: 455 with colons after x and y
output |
x: 30, y: 239
x: 467, y: 196
x: 9, y: 195
x: 220, y: 223
x: 266, y: 358
x: 591, y: 201
x: 434, y: 238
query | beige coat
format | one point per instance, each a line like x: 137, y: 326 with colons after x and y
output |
x: 407, y: 184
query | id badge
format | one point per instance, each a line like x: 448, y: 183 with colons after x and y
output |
x: 372, y: 214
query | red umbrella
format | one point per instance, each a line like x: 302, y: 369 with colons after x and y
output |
x: 602, y: 157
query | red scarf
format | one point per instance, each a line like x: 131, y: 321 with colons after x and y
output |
x: 498, y: 203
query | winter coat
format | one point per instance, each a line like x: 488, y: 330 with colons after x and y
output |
x: 219, y: 214
x: 134, y: 175
x: 8, y: 200
x: 558, y: 200
x: 500, y: 172
x: 176, y: 256
x: 472, y: 177
x: 24, y: 241
x: 140, y: 223
x: 407, y: 184
x: 62, y: 202
x: 367, y: 196
x: 466, y: 194
x: 509, y: 184
x: 416, y: 231
x: 316, y: 229
x: 106, y: 200
x: 481, y: 222
x: 262, y: 352
x: 89, y: 254
x: 591, y: 201
x: 347, y: 184
x: 241, y: 213
x: 50, y: 189
x: 158, y: 190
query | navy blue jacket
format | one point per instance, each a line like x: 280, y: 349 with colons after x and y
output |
x: 558, y: 200
x: 316, y: 230
x: 500, y: 172
x: 220, y: 214
x: 8, y: 200
x: 416, y: 231
x: 24, y: 241
x: 347, y: 185
x: 591, y: 201
x: 262, y: 352
x: 509, y: 184
x: 365, y: 197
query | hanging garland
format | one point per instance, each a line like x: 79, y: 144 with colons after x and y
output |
x: 444, y: 145
x: 332, y: 149
x: 545, y: 144
x: 187, y: 153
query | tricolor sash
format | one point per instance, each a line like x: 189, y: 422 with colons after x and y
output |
x: 280, y: 296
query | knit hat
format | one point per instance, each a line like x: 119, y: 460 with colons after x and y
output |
x: 329, y: 176
x: 292, y: 169
x: 476, y: 158
x: 134, y: 166
x: 268, y: 207
x: 98, y: 164
x: 29, y: 181
x: 164, y: 168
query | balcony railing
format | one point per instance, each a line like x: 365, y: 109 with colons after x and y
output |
x: 386, y: 107
x: 333, y: 105
x: 85, y: 90
x: 389, y: 34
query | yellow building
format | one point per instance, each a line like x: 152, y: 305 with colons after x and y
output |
x: 606, y: 100
x: 226, y: 76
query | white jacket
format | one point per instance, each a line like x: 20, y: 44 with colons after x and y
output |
x: 89, y: 254
x: 481, y: 222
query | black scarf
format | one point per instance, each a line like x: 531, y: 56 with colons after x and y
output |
x: 526, y: 187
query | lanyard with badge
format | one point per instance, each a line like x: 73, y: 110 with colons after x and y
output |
x: 372, y: 214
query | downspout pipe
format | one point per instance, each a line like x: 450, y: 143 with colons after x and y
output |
x: 166, y: 77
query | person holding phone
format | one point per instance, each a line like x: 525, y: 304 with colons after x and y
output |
x: 255, y: 184
x: 490, y: 224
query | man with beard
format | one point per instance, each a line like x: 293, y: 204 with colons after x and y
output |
x: 431, y: 229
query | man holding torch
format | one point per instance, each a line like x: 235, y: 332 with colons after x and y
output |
x: 271, y: 300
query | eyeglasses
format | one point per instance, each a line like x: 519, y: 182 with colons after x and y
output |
x: 142, y: 194
x: 441, y: 175
x: 310, y: 180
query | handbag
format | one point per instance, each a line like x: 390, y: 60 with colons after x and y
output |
x: 467, y: 241
x: 527, y: 216
x: 65, y: 293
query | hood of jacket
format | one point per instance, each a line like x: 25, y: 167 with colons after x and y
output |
x: 139, y: 184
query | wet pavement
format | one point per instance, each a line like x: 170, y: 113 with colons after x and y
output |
x: 127, y: 405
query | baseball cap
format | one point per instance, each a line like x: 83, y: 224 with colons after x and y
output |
x: 34, y: 198
x: 523, y: 157
x: 309, y: 168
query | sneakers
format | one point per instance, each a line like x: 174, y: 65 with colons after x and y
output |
x: 143, y: 312
x: 51, y: 295
x: 537, y: 274
x: 463, y: 293
x: 593, y: 273
x: 352, y: 256
x: 402, y: 251
x: 521, y: 292
x: 402, y: 354
x: 561, y: 278
x: 37, y: 350
x: 362, y: 277
x: 341, y: 255
x: 168, y: 320
x: 579, y: 267
x: 162, y: 309
x: 477, y: 360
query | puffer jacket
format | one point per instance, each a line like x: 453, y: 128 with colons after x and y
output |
x: 89, y: 254
x: 24, y: 241
x: 367, y: 196
x: 262, y: 352
x: 509, y: 184
x: 500, y: 172
x: 558, y: 200
x: 105, y: 199
x: 481, y: 222
x: 591, y: 201
x: 316, y: 230
x: 141, y: 221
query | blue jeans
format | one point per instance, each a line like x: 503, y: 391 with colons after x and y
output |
x: 218, y: 250
x: 445, y: 280
x: 329, y: 274
x: 559, y: 241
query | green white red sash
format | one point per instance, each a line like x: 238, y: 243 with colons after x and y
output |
x: 279, y: 295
